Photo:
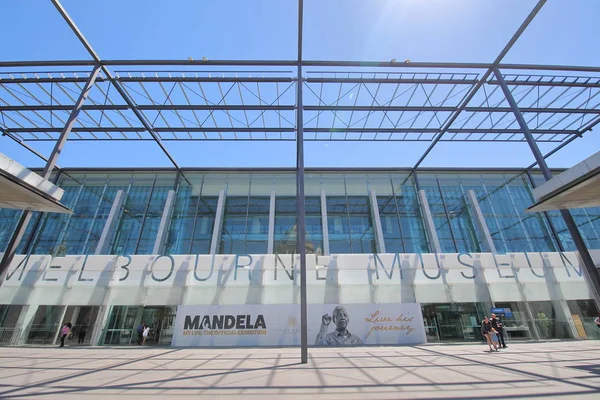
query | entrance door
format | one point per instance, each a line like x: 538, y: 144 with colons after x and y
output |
x: 453, y: 321
x: 120, y: 329
x: 82, y: 318
x: 160, y: 320
x: 124, y: 321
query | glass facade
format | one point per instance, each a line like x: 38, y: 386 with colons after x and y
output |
x: 350, y: 214
x: 259, y: 208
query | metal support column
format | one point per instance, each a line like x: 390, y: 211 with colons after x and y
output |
x: 19, y: 232
x: 110, y: 225
x: 301, y: 249
x: 163, y: 228
x: 377, y: 222
x: 324, y: 222
x: 588, y: 263
x: 271, y: 239
x: 218, y: 226
x: 434, y: 242
x: 488, y: 242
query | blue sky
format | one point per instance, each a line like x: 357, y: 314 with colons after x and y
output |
x: 565, y: 32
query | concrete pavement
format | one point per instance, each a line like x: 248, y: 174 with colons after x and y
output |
x: 568, y: 369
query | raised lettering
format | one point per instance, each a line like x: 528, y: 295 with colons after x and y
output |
x: 391, y: 274
x: 498, y: 264
x: 433, y: 278
x: 44, y: 278
x: 125, y: 268
x: 566, y: 261
x: 238, y: 265
x: 212, y: 267
x: 24, y: 264
x: 80, y: 279
x: 531, y: 266
x: 154, y: 278
x: 467, y: 265
x: 289, y: 274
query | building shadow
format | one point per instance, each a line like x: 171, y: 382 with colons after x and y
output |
x: 407, y: 371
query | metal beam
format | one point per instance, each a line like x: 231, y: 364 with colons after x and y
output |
x: 115, y: 82
x: 301, y: 250
x: 278, y: 130
x: 592, y: 274
x: 266, y: 107
x: 25, y: 145
x: 70, y: 123
x: 123, y: 107
x: 307, y: 63
x: 131, y: 79
x: 586, y: 128
x: 547, y: 83
x: 451, y: 109
x: 483, y: 79
x: 25, y: 218
x: 395, y: 81
x: 143, y: 129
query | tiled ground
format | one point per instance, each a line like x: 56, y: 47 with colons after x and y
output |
x: 466, y: 371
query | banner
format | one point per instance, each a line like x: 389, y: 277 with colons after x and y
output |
x: 279, y: 325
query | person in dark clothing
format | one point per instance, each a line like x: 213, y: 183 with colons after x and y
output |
x: 486, y: 331
x: 81, y: 335
x: 499, y: 327
x: 140, y: 333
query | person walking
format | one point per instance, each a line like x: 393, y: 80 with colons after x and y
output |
x: 494, y: 337
x: 64, y: 332
x: 486, y: 331
x: 140, y: 333
x: 145, y: 335
x: 81, y: 335
x: 597, y: 320
x: 498, y: 326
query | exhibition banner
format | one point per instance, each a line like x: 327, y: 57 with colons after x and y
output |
x: 279, y: 325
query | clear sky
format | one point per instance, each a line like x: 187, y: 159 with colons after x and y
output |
x: 565, y: 32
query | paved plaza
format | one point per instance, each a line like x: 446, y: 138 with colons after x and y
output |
x: 463, y: 371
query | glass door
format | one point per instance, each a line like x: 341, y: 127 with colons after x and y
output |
x: 120, y: 329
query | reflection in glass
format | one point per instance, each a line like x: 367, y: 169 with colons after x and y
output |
x: 286, y: 234
x: 245, y: 225
x: 192, y: 223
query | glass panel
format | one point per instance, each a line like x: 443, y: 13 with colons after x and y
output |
x: 91, y: 197
x: 350, y: 225
x: 45, y: 325
x: 584, y: 313
x: 120, y: 326
x: 8, y: 222
x: 286, y: 234
x: 245, y: 225
x: 518, y: 325
x: 9, y: 316
x: 403, y: 230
